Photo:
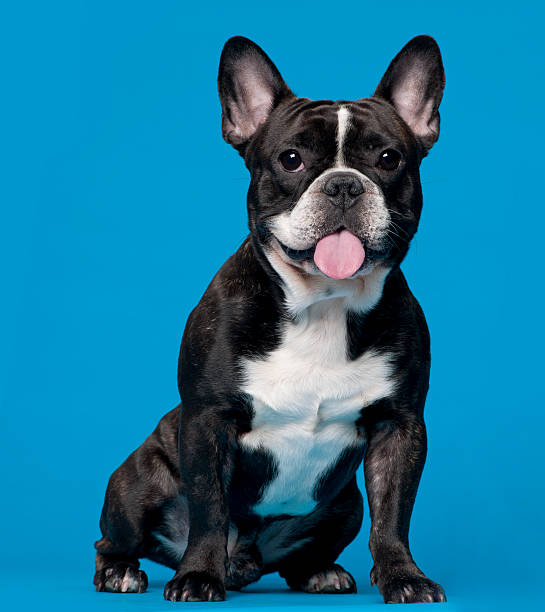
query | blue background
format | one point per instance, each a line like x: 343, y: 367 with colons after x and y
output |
x: 120, y: 201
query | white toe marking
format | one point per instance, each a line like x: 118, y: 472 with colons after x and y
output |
x: 130, y: 583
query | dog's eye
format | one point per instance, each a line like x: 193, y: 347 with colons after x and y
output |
x: 291, y: 161
x: 389, y: 159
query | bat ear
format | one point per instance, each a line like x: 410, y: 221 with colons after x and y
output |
x: 414, y: 84
x: 249, y: 86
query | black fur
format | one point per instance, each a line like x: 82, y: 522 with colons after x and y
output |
x: 192, y: 478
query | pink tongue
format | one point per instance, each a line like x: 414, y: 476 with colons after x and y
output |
x: 339, y: 255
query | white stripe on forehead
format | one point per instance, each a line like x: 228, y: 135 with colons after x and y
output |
x: 343, y: 121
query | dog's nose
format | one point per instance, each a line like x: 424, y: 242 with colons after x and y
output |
x: 343, y: 188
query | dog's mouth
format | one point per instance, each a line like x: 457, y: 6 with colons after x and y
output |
x: 297, y: 255
x: 338, y: 255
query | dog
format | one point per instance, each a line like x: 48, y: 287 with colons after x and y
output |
x: 306, y: 356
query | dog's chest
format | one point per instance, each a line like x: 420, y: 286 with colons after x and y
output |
x: 307, y: 396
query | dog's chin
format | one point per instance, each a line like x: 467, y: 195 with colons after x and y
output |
x: 303, y: 260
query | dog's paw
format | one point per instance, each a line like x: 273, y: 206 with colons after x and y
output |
x: 121, y: 579
x: 243, y: 570
x: 334, y: 579
x: 194, y: 586
x: 408, y: 587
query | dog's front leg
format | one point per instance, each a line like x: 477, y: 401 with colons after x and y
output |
x: 393, y: 465
x: 206, y: 462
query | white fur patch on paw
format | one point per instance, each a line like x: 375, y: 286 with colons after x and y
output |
x: 131, y: 581
x: 333, y: 580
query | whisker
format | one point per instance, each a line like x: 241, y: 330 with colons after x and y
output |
x: 396, y: 212
x: 390, y: 231
x: 399, y: 228
x: 388, y: 234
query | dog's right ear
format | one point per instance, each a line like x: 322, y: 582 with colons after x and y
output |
x: 249, y: 86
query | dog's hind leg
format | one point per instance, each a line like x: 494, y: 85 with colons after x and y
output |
x: 245, y: 561
x: 136, y: 495
x: 310, y: 551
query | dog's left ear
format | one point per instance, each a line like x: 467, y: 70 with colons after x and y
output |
x: 414, y: 84
x: 249, y: 86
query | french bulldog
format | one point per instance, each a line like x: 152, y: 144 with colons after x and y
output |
x: 306, y: 356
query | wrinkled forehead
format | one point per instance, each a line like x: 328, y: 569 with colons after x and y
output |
x: 332, y: 127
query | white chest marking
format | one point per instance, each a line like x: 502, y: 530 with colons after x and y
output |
x: 306, y: 397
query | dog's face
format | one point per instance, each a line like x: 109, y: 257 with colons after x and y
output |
x: 335, y: 186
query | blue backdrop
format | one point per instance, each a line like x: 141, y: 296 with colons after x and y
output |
x: 120, y: 200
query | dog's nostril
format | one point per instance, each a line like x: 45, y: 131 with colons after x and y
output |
x: 356, y: 188
x: 331, y: 189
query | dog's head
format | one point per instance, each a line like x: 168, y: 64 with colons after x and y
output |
x: 335, y: 187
